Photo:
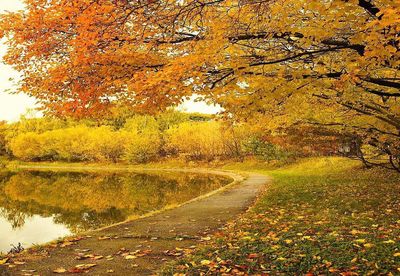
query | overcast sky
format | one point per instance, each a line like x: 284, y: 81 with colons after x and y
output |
x: 13, y: 106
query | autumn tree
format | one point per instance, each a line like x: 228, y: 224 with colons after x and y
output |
x: 281, y: 63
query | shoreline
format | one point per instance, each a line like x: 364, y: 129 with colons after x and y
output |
x: 167, y: 229
x: 234, y: 177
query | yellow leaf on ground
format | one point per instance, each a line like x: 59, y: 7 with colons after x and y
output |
x: 60, y: 270
x: 205, y: 262
x: 389, y: 241
x: 66, y: 243
x: 3, y: 261
x: 369, y: 245
x: 360, y: 241
x: 85, y: 266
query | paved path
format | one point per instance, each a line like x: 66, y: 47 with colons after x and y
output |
x: 159, y: 237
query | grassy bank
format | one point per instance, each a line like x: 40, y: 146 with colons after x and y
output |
x: 249, y: 164
x: 57, y: 165
x: 320, y: 216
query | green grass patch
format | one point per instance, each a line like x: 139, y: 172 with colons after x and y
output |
x: 319, y: 216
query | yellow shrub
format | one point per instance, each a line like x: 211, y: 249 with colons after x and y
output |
x: 27, y: 146
x: 143, y: 139
x: 71, y: 144
x: 142, y: 147
x: 79, y: 143
x: 201, y: 140
x: 106, y: 144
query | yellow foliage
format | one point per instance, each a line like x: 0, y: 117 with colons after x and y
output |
x: 27, y: 146
x: 196, y: 140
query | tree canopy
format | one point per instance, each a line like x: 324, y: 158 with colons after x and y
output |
x: 281, y: 63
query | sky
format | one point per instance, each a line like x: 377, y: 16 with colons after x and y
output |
x: 12, y: 106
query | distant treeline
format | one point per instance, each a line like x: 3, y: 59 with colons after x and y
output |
x: 137, y: 139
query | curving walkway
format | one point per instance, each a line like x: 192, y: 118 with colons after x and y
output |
x: 159, y: 237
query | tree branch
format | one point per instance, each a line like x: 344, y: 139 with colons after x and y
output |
x: 370, y: 8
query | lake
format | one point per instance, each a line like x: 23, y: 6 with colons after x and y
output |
x: 39, y: 206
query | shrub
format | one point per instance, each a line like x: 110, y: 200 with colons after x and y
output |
x: 234, y: 137
x: 142, y: 147
x: 106, y: 144
x: 27, y: 147
x: 264, y: 150
x: 78, y: 143
x: 143, y: 139
x: 201, y: 140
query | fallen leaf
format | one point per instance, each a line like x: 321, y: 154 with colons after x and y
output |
x: 77, y: 270
x: 85, y: 266
x: 76, y: 239
x: 82, y: 250
x: 67, y: 243
x: 60, y: 270
x: 88, y: 256
x: 3, y: 261
x: 389, y: 241
x: 354, y: 232
x: 360, y: 241
x: 19, y: 263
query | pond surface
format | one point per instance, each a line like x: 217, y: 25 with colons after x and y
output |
x: 37, y: 207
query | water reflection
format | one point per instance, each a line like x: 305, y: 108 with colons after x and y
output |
x: 71, y: 202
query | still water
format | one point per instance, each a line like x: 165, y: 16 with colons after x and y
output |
x: 37, y: 207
